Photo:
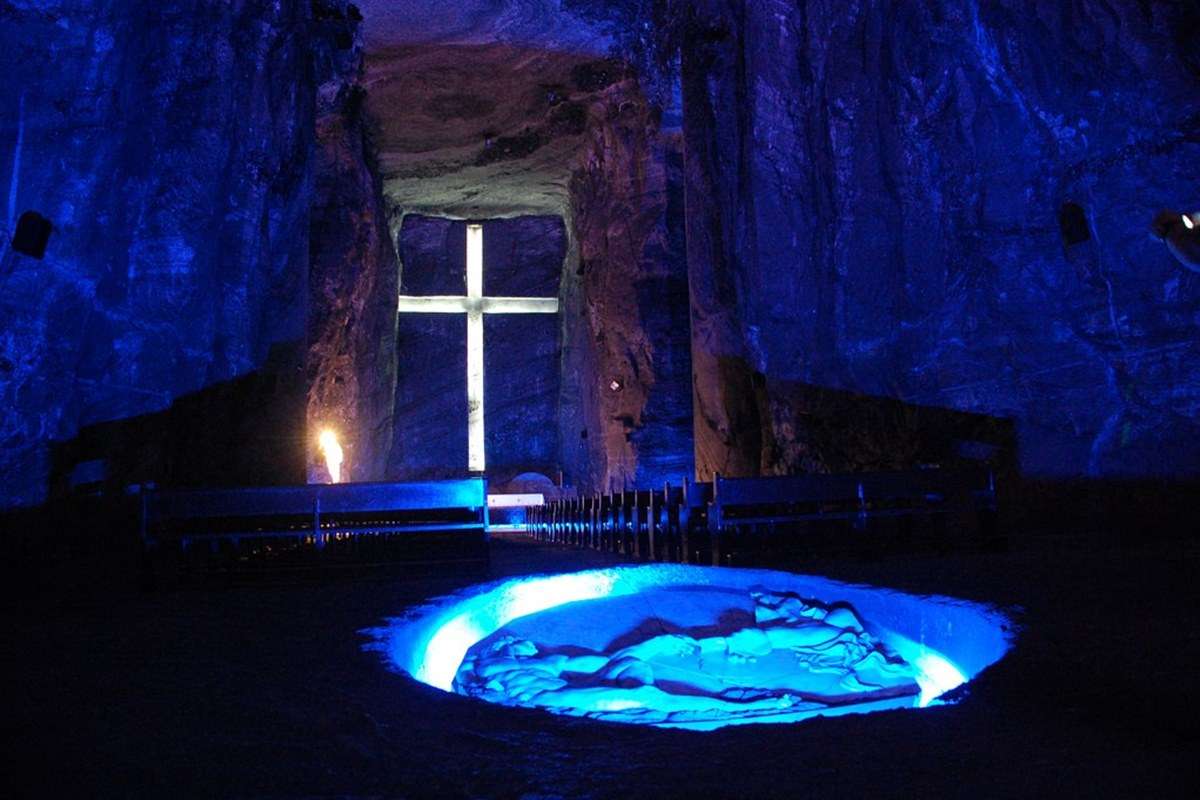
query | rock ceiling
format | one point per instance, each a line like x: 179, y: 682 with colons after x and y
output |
x: 479, y: 107
x: 537, y: 23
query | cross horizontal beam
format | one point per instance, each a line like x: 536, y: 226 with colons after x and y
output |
x: 451, y: 304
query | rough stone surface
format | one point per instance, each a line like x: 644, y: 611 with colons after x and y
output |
x: 351, y: 358
x: 168, y: 143
x: 726, y: 423
x: 625, y: 307
x: 546, y: 24
x: 479, y: 130
x: 893, y: 184
x: 895, y: 212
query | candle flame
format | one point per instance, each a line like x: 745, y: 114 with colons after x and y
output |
x: 332, y: 451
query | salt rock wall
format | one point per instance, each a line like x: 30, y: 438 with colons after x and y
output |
x: 945, y: 205
x: 626, y: 418
x: 168, y: 143
x: 351, y: 342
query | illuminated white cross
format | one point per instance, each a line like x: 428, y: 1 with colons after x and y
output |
x: 475, y: 305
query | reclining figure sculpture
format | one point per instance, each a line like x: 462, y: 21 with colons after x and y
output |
x: 797, y: 655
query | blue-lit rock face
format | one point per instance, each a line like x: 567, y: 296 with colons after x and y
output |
x: 895, y: 213
x: 695, y: 647
x: 169, y: 146
x: 945, y: 204
x: 627, y: 309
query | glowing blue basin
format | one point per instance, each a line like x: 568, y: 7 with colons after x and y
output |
x: 695, y: 647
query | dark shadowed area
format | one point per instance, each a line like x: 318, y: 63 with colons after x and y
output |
x: 264, y: 690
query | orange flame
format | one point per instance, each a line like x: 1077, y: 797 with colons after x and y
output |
x: 332, y: 451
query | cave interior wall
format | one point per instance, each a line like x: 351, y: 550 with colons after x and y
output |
x: 876, y: 223
x: 888, y: 184
x: 169, y: 145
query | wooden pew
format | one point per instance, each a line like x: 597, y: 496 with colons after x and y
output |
x: 636, y: 523
x: 623, y: 522
x: 591, y: 522
x: 687, y: 523
x: 314, y: 515
x: 744, y: 502
x: 606, y: 523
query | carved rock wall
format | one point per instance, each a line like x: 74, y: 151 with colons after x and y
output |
x: 946, y: 204
x: 497, y: 110
x: 354, y: 277
x: 523, y: 257
x: 625, y: 309
x: 168, y: 143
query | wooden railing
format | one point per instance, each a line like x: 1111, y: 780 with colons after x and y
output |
x: 655, y: 525
x: 696, y: 522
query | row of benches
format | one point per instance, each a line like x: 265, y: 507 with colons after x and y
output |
x: 688, y: 523
x: 436, y: 520
x: 698, y: 521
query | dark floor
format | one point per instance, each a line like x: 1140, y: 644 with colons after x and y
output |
x: 264, y: 692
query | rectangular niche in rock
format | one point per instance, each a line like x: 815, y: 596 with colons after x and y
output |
x: 478, y: 347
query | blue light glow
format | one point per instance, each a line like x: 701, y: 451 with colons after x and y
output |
x: 436, y: 658
x: 936, y: 676
x: 616, y: 644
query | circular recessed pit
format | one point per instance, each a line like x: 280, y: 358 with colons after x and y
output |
x: 695, y: 647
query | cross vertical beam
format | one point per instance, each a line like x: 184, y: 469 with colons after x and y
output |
x: 476, y: 460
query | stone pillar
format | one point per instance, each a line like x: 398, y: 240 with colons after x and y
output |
x: 354, y: 274
x: 618, y: 200
x: 624, y: 381
x: 727, y: 430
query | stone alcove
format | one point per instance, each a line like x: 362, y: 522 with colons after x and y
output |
x: 556, y: 148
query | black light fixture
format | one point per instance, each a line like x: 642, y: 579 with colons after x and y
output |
x: 32, y: 235
x: 1072, y: 221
